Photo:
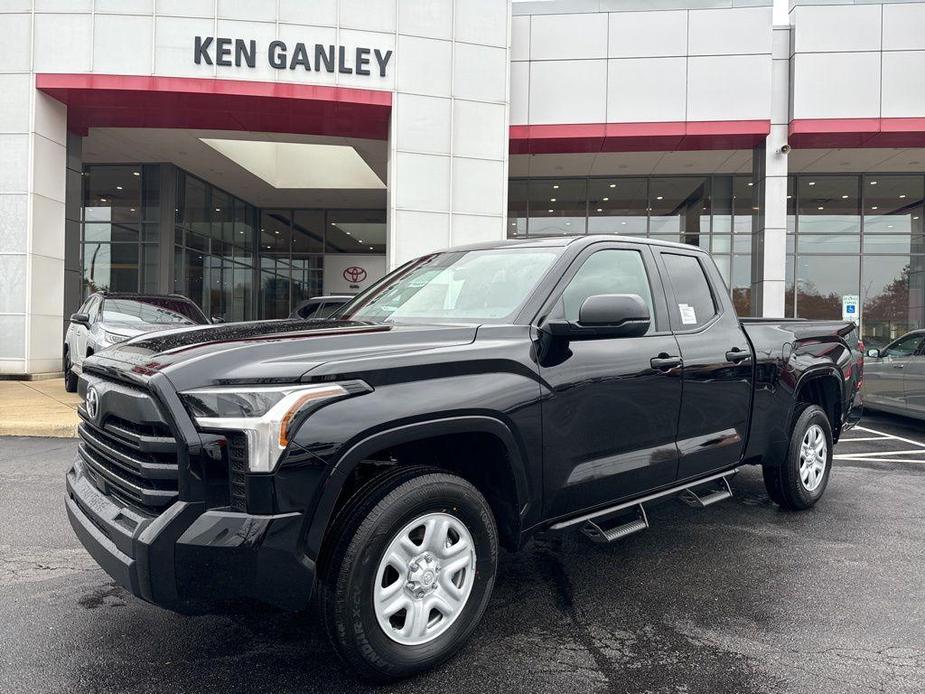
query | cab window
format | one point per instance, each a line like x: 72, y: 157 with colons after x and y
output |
x: 609, y: 271
x: 693, y: 304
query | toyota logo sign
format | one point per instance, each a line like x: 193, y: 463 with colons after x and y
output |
x: 354, y: 274
x: 92, y: 403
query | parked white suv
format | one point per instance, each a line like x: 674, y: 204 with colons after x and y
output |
x: 107, y: 318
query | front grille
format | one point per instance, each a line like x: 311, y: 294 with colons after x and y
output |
x: 133, y: 461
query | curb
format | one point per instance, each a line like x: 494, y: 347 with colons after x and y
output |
x: 59, y: 431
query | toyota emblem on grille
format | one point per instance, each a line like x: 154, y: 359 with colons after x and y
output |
x: 92, y: 403
x: 354, y: 274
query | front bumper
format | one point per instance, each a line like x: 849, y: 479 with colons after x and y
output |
x: 189, y: 559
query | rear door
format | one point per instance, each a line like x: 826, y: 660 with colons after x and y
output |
x: 610, y: 419
x: 717, y: 374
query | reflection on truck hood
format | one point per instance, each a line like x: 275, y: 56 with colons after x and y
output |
x: 268, y: 351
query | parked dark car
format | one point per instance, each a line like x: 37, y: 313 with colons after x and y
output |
x: 895, y: 376
x: 319, y: 306
x: 107, y: 318
x: 465, y: 401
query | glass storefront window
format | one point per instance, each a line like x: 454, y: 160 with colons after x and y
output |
x: 110, y: 267
x: 557, y: 207
x: 828, y: 205
x: 517, y: 208
x: 822, y: 281
x: 617, y: 206
x: 679, y: 208
x: 112, y: 194
x: 893, y: 204
x: 893, y: 297
x: 361, y: 232
x: 307, y: 231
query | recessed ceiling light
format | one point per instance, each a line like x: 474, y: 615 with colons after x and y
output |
x: 136, y: 173
x: 812, y: 183
x: 118, y: 187
x: 844, y: 197
x: 218, y: 209
x: 556, y: 187
x: 275, y: 232
x: 622, y: 222
x: 915, y: 217
x: 600, y: 209
x: 102, y: 199
x: 606, y: 199
x: 821, y: 207
x: 552, y: 199
x: 889, y: 226
x: 660, y: 197
x: 131, y: 209
x: 902, y: 197
x: 613, y: 185
x: 875, y: 208
x: 361, y: 241
x: 550, y: 211
x: 370, y: 248
x: 873, y: 183
x: 750, y: 184
x: 789, y: 196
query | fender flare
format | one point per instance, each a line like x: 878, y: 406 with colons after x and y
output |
x: 820, y: 371
x: 333, y: 483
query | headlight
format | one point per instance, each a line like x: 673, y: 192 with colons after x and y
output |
x: 112, y: 338
x: 264, y: 413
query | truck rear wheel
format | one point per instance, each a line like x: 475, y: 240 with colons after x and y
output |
x: 799, y: 482
x: 410, y: 573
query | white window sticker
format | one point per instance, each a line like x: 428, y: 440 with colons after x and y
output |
x: 688, y: 315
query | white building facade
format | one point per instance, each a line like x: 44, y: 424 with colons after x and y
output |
x: 252, y: 154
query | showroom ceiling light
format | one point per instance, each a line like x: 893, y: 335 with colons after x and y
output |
x: 297, y: 165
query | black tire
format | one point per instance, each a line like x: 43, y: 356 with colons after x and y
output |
x: 70, y: 378
x: 362, y: 531
x: 784, y: 482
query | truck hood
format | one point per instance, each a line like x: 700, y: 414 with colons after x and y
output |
x: 267, y: 351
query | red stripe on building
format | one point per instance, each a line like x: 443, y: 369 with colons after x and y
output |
x: 825, y: 133
x: 637, y: 137
x: 128, y: 101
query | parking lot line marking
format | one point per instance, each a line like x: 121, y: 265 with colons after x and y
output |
x: 877, y: 460
x: 917, y: 451
x: 897, y: 438
x: 865, y: 438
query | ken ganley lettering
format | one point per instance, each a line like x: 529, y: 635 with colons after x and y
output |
x: 316, y: 57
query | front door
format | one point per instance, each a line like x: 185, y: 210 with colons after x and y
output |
x: 914, y: 382
x: 717, y: 377
x: 884, y: 376
x: 610, y: 418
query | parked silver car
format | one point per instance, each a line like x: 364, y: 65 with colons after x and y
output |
x: 894, y: 376
x: 107, y: 318
x: 319, y: 306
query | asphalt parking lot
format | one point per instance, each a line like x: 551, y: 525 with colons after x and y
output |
x: 739, y: 597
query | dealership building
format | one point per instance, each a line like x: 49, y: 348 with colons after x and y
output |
x: 250, y: 154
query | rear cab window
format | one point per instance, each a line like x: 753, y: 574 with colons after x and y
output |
x: 693, y: 305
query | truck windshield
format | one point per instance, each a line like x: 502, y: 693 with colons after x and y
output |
x: 466, y: 286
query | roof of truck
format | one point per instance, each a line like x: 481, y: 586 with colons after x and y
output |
x: 562, y: 241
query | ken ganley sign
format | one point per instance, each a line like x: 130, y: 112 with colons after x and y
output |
x: 315, y: 57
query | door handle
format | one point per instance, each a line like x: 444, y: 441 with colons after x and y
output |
x: 664, y: 362
x: 899, y: 366
x: 735, y: 355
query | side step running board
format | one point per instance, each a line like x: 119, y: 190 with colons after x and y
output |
x: 596, y: 533
x: 641, y: 522
x: 691, y: 498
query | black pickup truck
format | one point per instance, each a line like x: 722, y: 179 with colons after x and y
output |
x: 377, y: 459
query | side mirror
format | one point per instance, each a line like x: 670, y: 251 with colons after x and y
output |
x: 80, y: 318
x: 874, y: 353
x: 605, y: 316
x: 217, y: 319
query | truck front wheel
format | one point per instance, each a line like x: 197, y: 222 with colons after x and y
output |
x: 410, y: 573
x: 800, y: 481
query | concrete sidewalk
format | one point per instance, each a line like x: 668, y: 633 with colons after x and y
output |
x: 37, y: 408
